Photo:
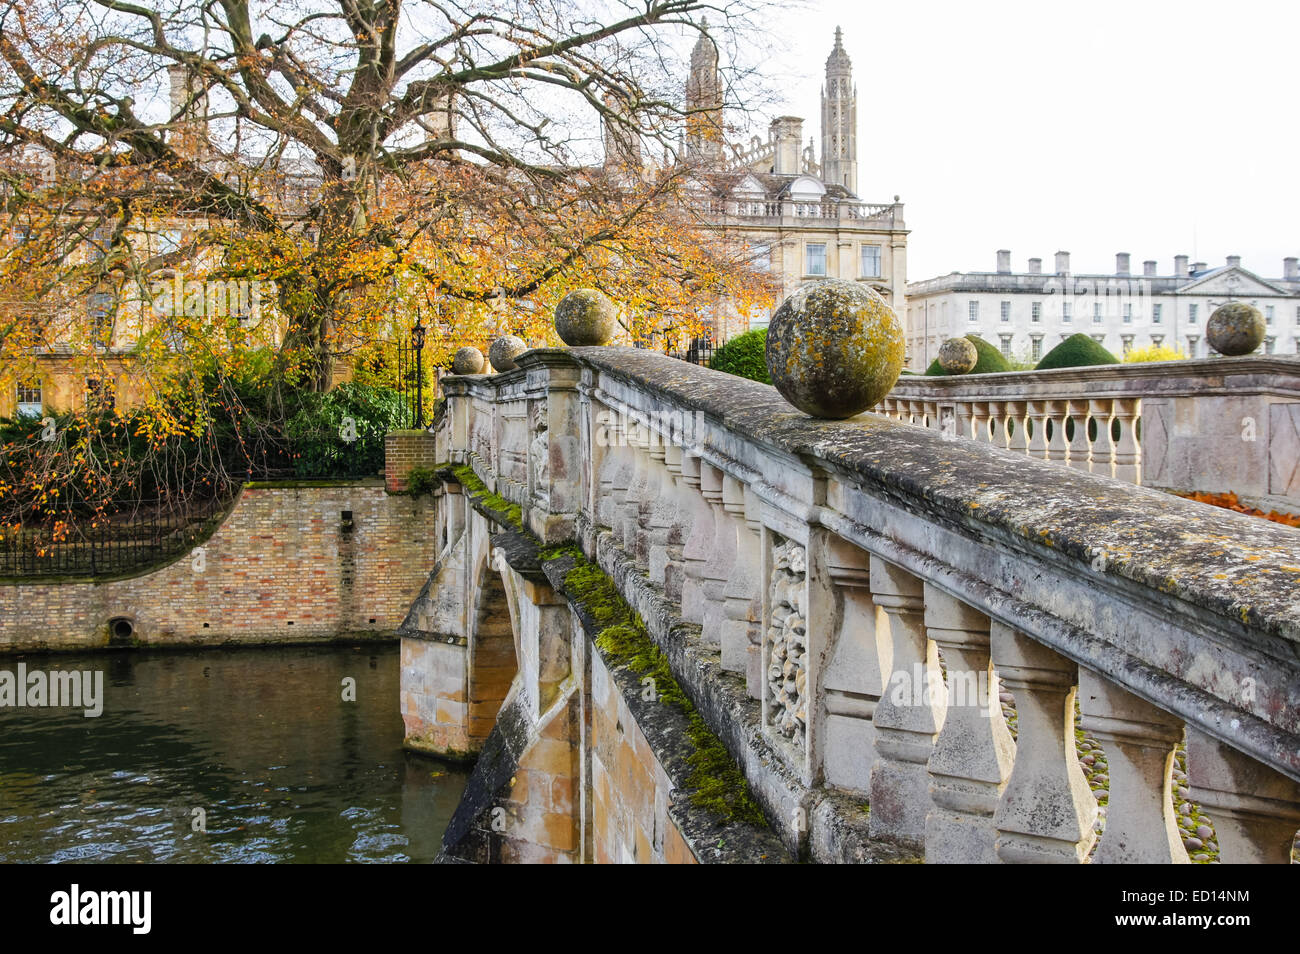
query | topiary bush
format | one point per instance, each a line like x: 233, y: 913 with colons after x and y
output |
x: 1076, y: 351
x: 744, y: 356
x: 990, y: 360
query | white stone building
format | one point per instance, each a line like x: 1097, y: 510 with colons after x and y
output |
x: 1028, y: 313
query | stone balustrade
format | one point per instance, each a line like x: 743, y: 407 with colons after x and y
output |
x: 1215, y: 425
x: 810, y: 212
x: 924, y: 623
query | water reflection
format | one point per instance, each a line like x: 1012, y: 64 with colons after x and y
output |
x: 260, y: 740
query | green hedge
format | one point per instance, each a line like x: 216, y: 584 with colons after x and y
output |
x: 1076, y: 351
x: 989, y: 359
x: 341, y: 433
x: 744, y: 355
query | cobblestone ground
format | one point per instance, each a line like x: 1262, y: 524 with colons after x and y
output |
x: 1195, y: 826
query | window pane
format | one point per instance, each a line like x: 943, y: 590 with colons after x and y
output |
x: 871, y: 261
x: 816, y: 259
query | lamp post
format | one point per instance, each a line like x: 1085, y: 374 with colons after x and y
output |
x: 417, y: 341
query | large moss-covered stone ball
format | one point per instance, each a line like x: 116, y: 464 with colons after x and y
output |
x: 834, y: 348
x: 1235, y: 328
x: 586, y: 316
x: 504, y: 350
x: 958, y: 356
x: 468, y: 360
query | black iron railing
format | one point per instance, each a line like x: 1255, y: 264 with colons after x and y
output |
x: 123, y: 541
x: 699, y: 350
x: 406, y: 379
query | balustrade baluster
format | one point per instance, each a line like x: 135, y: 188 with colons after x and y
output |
x: 698, y: 549
x: 973, y: 755
x: 1057, y: 448
x: 1080, y: 451
x: 1017, y: 436
x: 742, y: 624
x: 1139, y: 741
x: 1255, y: 809
x: 1037, y: 413
x: 673, y: 517
x: 728, y: 542
x: 637, y: 488
x: 860, y: 658
x: 722, y: 554
x: 995, y: 432
x: 910, y: 712
x: 1103, y: 448
x: 1128, y: 452
x: 1047, y: 811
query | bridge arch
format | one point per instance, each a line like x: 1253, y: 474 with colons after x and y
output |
x: 493, y: 643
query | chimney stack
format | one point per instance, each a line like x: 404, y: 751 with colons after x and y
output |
x: 787, y: 133
x: 1035, y: 266
x: 1198, y: 267
x: 1121, y: 263
x: 1180, y: 266
x: 1291, y: 269
x: 1234, y: 261
x: 189, y: 108
x: 1149, y: 268
x: 1004, y: 261
x: 1062, y: 263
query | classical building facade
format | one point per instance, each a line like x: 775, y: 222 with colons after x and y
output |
x: 800, y: 215
x: 1027, y: 313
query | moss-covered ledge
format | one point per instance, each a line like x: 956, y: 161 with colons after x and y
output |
x: 718, y: 816
x: 491, y: 505
x: 816, y: 825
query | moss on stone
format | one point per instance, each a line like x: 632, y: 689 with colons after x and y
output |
x: 586, y: 316
x: 475, y: 488
x: 715, y: 781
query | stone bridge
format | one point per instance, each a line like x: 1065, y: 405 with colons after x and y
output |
x: 677, y: 620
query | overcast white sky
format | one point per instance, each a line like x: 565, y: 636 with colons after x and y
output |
x: 1153, y: 128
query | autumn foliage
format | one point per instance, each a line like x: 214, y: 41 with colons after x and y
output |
x: 1229, y: 501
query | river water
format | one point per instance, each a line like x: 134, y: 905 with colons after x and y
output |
x: 258, y: 745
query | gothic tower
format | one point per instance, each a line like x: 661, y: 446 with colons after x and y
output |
x: 840, y: 119
x: 704, y: 102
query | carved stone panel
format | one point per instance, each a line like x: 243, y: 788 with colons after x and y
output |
x: 787, y: 639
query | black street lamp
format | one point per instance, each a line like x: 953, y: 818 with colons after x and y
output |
x: 417, y: 340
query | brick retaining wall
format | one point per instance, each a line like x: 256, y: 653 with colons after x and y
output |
x: 281, y: 568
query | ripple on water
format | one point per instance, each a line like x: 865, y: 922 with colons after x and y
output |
x: 258, y: 739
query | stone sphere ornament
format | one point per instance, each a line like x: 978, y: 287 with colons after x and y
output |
x: 834, y: 348
x: 504, y: 350
x: 468, y: 360
x: 1235, y: 328
x: 958, y: 356
x: 586, y: 316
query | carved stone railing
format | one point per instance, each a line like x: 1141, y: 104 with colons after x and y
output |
x: 1215, y: 425
x: 811, y: 211
x: 880, y: 588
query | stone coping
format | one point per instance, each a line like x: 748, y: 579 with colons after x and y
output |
x: 1238, y: 567
x: 1244, y: 375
